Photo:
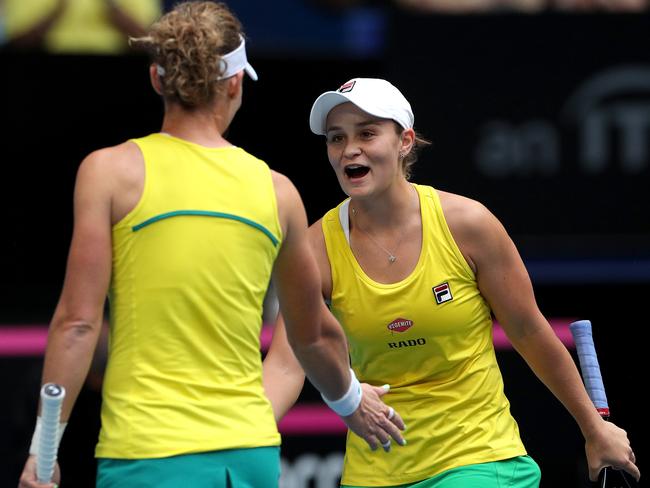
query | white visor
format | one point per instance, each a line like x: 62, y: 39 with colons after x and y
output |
x: 235, y: 61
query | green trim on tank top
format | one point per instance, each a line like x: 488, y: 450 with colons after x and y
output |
x: 208, y: 213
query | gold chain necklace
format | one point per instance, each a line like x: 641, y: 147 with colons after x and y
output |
x: 391, y: 255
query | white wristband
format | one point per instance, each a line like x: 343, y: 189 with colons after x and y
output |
x: 33, y: 448
x: 348, y: 403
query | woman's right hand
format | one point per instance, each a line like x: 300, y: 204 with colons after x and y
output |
x: 610, y: 446
x: 28, y: 477
x: 374, y: 421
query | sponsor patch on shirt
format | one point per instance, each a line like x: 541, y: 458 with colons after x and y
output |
x: 400, y: 325
x: 442, y: 292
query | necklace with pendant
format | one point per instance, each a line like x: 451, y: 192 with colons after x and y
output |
x: 391, y: 255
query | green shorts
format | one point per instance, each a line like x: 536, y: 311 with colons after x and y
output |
x: 233, y: 468
x: 518, y: 472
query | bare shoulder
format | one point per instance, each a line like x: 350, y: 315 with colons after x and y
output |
x: 464, y: 216
x: 291, y: 210
x: 281, y: 180
x: 123, y: 160
x: 285, y: 190
x: 116, y: 175
x: 121, y: 152
x: 476, y: 231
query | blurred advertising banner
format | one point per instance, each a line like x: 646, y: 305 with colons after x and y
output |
x: 546, y: 120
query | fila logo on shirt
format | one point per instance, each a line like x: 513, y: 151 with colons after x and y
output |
x: 442, y: 292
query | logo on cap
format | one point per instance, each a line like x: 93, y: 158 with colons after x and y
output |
x: 347, y: 87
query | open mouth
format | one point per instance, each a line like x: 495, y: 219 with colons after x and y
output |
x: 356, y: 171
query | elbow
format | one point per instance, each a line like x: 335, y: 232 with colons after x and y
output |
x: 75, y: 331
x: 302, y: 343
x: 306, y: 339
x: 304, y: 333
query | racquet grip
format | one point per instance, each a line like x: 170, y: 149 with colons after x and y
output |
x: 581, y: 331
x: 51, y: 400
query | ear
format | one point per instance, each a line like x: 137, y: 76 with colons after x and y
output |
x: 407, y: 140
x: 154, y: 77
x: 235, y: 84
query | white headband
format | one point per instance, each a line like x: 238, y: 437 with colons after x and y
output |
x: 235, y: 61
x: 231, y: 63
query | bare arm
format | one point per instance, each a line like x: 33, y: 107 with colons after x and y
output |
x: 313, y: 332
x: 283, y: 375
x: 78, y: 317
x: 33, y: 36
x: 315, y: 336
x: 123, y: 21
x: 505, y: 284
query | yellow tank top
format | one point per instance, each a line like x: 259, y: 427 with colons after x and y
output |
x: 83, y: 27
x: 191, y: 265
x: 430, y: 337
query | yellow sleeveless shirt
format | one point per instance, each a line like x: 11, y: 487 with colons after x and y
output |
x: 84, y: 26
x: 191, y: 265
x: 430, y: 337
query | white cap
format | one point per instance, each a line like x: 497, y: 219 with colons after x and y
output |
x: 235, y: 61
x: 372, y: 95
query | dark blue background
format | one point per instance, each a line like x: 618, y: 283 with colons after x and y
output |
x: 585, y: 236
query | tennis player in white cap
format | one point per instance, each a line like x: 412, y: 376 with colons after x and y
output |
x: 414, y: 274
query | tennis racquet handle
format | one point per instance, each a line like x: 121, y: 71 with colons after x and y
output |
x: 52, y: 396
x: 584, y: 341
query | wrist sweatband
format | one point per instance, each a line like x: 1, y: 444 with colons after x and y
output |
x: 348, y: 403
x: 33, y: 448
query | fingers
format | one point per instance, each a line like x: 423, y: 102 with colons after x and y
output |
x: 374, y: 421
x: 631, y: 468
x: 372, y: 442
x: 375, y: 441
x: 388, y: 425
x: 390, y: 414
x: 628, y: 466
x: 381, y: 390
x: 386, y: 445
x: 371, y: 423
x: 378, y: 439
x: 610, y: 446
x: 28, y: 478
x: 393, y: 428
x: 395, y: 418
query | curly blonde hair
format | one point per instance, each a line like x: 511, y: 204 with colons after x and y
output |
x: 188, y: 43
